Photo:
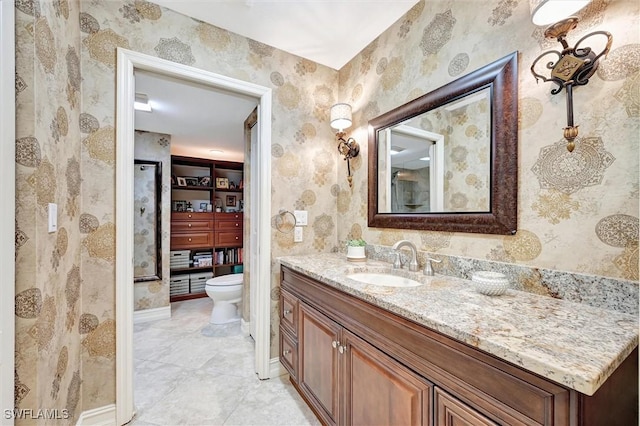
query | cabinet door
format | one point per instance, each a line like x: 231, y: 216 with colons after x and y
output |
x: 380, y: 391
x: 451, y: 412
x: 318, y: 340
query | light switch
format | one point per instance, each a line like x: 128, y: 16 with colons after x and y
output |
x: 301, y: 217
x: 297, y: 234
x: 53, y: 217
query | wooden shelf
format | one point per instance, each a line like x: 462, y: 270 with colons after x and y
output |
x: 229, y: 190
x: 188, y: 296
x: 192, y: 269
x: 227, y: 264
x: 199, y: 188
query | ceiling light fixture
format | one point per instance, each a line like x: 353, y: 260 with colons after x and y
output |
x: 340, y: 120
x: 216, y: 151
x: 141, y: 103
x: 574, y: 65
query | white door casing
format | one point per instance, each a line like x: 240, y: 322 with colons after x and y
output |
x: 7, y: 207
x: 127, y: 61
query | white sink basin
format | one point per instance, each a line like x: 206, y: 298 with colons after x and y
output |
x: 385, y: 280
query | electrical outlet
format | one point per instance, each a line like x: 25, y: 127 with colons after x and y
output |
x: 301, y: 217
x: 297, y: 234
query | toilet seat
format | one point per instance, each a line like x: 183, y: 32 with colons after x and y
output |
x: 225, y: 280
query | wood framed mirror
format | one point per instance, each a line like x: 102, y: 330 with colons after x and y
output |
x: 448, y: 160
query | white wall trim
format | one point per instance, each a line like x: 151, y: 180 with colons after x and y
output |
x: 8, y: 206
x: 127, y: 60
x: 277, y: 369
x: 101, y: 416
x: 245, y: 327
x: 153, y: 314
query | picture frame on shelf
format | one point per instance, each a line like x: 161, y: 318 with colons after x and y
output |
x: 222, y: 183
x: 179, y: 205
x: 191, y: 181
x: 203, y: 207
x: 181, y: 181
x: 231, y: 200
x: 204, y: 181
x: 173, y: 180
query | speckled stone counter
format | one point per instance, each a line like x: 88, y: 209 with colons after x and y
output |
x: 576, y: 345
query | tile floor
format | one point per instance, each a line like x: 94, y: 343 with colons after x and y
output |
x: 190, y: 372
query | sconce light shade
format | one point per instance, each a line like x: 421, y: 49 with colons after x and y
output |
x: 545, y: 12
x: 341, y: 116
x: 141, y: 103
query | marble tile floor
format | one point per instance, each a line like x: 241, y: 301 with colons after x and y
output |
x: 190, y: 372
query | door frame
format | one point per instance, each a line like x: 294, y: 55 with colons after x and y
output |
x: 127, y: 61
x: 8, y: 208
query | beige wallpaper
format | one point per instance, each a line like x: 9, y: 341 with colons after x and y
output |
x: 303, y: 154
x: 48, y: 277
x: 576, y: 213
x: 152, y: 146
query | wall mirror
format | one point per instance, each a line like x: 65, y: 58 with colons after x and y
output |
x: 448, y: 160
x: 147, y: 260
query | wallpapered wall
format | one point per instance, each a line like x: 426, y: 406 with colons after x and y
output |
x: 152, y: 146
x: 577, y: 212
x: 303, y: 157
x: 573, y: 215
x: 49, y: 325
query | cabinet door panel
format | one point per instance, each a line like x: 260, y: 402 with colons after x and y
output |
x: 379, y: 390
x: 451, y: 412
x: 230, y: 225
x: 191, y: 240
x: 289, y: 353
x: 318, y: 376
x: 289, y: 312
x: 229, y: 239
x: 191, y: 225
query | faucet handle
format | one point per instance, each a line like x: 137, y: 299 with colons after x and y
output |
x: 397, y: 263
x: 428, y: 268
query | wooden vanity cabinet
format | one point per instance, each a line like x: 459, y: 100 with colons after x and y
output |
x: 360, y: 364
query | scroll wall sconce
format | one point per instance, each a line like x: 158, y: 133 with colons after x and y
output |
x: 341, y: 120
x: 574, y: 65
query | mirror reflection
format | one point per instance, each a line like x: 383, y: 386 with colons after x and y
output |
x: 438, y: 161
x: 448, y: 160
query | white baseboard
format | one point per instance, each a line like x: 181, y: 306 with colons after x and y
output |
x: 245, y: 327
x: 101, y: 416
x: 152, y: 314
x: 276, y: 369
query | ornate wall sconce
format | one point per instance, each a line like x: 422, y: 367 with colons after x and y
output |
x: 341, y: 120
x: 574, y: 65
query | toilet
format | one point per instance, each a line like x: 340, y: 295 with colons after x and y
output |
x: 226, y: 293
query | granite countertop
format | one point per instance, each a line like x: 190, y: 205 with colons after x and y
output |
x: 575, y: 345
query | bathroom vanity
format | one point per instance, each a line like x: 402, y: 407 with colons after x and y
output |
x: 442, y: 354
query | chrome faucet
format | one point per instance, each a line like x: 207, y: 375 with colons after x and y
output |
x: 428, y: 269
x: 413, y: 263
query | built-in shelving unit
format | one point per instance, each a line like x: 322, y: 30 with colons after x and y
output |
x: 206, y: 223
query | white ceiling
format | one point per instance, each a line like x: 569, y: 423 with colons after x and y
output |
x: 329, y: 32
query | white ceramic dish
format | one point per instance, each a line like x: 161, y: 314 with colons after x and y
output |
x: 490, y: 283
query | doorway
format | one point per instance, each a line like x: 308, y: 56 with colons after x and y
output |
x: 127, y: 61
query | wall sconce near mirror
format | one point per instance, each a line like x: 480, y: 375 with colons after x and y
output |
x: 141, y: 103
x: 341, y: 120
x: 574, y: 65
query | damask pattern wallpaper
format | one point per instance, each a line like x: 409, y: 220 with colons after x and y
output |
x: 49, y: 282
x: 576, y: 213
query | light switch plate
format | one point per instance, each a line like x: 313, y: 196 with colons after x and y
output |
x: 301, y: 217
x: 297, y: 234
x: 53, y: 217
